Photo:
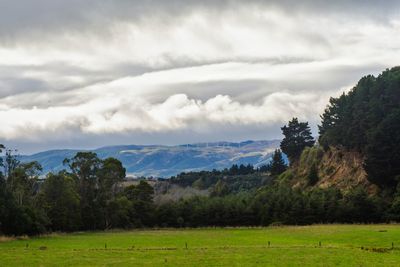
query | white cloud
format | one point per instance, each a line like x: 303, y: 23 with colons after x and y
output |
x: 178, y: 112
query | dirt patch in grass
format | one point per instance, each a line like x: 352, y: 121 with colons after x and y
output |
x: 6, y: 238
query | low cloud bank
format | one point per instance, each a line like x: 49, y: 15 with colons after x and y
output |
x: 177, y: 112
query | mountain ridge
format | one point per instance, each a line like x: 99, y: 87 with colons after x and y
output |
x: 165, y: 161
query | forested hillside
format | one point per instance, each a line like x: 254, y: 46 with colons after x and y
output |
x: 367, y: 120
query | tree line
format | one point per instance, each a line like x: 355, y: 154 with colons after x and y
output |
x: 88, y: 196
x: 206, y: 179
x: 279, y: 204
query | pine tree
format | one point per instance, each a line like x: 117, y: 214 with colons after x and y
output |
x: 277, y: 165
x: 297, y: 137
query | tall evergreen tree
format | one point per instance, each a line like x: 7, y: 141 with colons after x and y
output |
x: 297, y: 136
x: 277, y: 165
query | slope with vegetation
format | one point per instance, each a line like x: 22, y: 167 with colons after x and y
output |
x: 335, y: 167
x: 359, y: 140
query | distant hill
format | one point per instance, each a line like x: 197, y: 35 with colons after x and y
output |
x: 165, y: 161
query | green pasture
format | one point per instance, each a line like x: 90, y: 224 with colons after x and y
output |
x: 319, y: 245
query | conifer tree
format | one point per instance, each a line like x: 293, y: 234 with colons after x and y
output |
x: 297, y: 137
x: 278, y: 164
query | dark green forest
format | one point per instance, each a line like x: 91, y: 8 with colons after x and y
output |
x: 367, y: 120
x: 90, y: 194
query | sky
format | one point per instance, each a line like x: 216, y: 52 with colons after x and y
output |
x: 91, y: 73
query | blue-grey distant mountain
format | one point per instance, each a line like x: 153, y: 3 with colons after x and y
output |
x: 165, y: 161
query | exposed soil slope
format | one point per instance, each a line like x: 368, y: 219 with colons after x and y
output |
x: 335, y: 167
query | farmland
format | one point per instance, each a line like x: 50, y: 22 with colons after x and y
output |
x: 318, y: 245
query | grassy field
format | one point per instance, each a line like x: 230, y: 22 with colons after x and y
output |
x: 341, y: 245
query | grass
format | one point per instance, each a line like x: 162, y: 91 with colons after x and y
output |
x: 341, y: 245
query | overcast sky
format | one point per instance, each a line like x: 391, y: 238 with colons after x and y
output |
x: 90, y: 73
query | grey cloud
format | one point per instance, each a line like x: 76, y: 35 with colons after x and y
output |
x: 253, y: 90
x: 38, y: 18
x: 12, y: 82
x: 15, y: 86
